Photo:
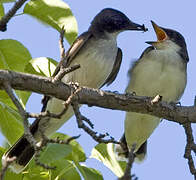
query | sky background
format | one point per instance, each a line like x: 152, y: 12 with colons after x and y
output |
x: 166, y: 145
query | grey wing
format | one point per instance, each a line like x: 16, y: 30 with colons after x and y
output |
x: 69, y: 56
x: 73, y: 50
x: 115, y: 69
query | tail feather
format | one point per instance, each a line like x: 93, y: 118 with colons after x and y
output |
x: 122, y: 151
x: 140, y: 154
x: 23, y: 151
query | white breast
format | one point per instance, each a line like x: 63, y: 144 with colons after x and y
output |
x: 96, y: 63
x: 160, y: 72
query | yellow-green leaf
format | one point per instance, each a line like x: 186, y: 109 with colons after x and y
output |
x: 2, y: 13
x: 35, y: 172
x: 55, y: 13
x: 7, y: 1
x: 89, y: 173
x: 14, y: 56
x: 105, y: 153
x: 54, y: 152
x: 41, y: 66
x: 65, y: 169
x: 10, y: 123
x: 78, y: 153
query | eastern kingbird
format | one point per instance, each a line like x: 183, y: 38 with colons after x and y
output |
x: 161, y: 70
x: 100, y: 58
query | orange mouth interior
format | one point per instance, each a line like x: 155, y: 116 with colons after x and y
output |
x: 161, y: 34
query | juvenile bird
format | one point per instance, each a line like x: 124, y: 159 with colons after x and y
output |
x: 161, y: 70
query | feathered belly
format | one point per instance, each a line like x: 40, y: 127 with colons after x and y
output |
x: 150, y: 79
x: 94, y: 70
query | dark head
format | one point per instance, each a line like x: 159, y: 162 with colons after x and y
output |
x: 111, y: 20
x: 168, y: 38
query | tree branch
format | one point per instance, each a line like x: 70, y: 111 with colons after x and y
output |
x: 97, y: 137
x: 127, y: 175
x: 5, y: 19
x: 188, y: 148
x: 94, y: 97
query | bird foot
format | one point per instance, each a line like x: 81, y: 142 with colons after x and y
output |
x: 175, y: 103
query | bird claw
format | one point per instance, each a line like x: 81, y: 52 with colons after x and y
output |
x: 128, y: 94
x: 112, y: 91
x: 175, y: 103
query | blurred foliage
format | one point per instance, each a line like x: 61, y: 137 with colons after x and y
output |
x: 1, y: 10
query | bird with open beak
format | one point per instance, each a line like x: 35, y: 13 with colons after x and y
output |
x: 100, y: 58
x: 161, y: 70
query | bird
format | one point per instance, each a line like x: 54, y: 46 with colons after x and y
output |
x: 99, y: 57
x: 160, y: 70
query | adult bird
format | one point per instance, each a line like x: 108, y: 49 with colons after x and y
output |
x: 99, y: 57
x: 161, y: 70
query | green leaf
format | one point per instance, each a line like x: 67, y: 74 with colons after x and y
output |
x: 78, y: 153
x: 23, y: 97
x: 65, y: 170
x: 35, y: 172
x: 41, y: 66
x: 89, y: 173
x: 55, y: 13
x: 105, y: 153
x: 7, y: 1
x: 2, y: 151
x: 10, y: 123
x: 54, y: 152
x: 14, y: 56
x: 11, y: 175
x: 4, y: 98
x: 2, y: 13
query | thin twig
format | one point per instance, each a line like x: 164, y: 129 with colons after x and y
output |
x: 44, y: 143
x: 46, y: 140
x: 63, y: 71
x: 188, y: 148
x: 60, y: 141
x: 61, y: 45
x: 80, y: 118
x: 59, y: 115
x: 62, y: 68
x: 127, y: 175
x: 5, y: 166
x: 22, y: 112
x: 5, y: 19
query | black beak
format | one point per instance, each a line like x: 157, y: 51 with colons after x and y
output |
x: 137, y: 27
x: 150, y: 42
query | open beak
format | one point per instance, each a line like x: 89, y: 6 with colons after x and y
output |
x: 137, y: 27
x: 160, y: 33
